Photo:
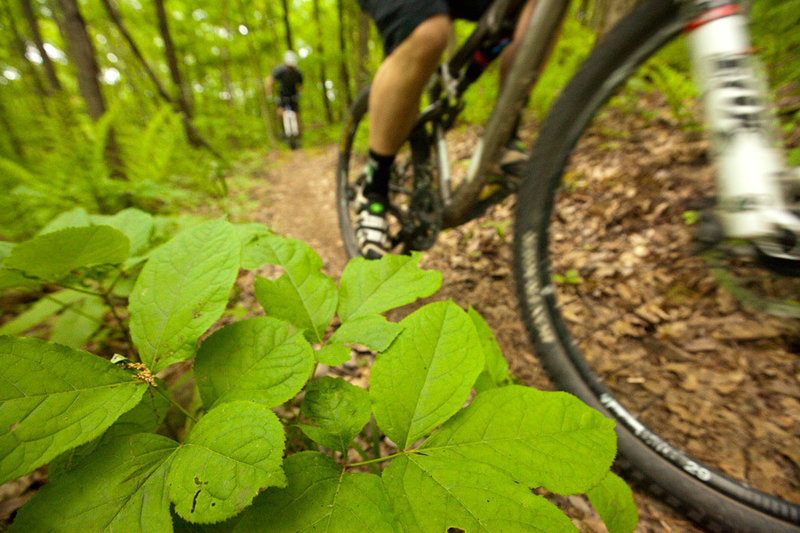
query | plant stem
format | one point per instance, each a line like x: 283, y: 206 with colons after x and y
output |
x: 176, y: 404
x: 382, y: 459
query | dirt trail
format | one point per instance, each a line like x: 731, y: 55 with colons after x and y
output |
x: 296, y: 198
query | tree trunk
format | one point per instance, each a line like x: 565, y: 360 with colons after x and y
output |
x: 49, y: 69
x: 82, y: 52
x: 184, y: 96
x: 287, y: 26
x: 261, y: 85
x: 322, y: 74
x: 344, y: 70
x: 192, y: 135
x: 18, y: 42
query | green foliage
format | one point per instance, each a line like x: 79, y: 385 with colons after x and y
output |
x: 95, y: 421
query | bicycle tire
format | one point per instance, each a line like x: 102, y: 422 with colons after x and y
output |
x: 415, y: 210
x: 718, y: 504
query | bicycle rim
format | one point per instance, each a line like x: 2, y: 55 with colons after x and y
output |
x: 625, y: 315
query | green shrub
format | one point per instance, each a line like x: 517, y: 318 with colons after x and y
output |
x: 96, y: 422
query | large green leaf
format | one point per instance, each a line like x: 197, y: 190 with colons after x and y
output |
x: 78, y: 322
x: 340, y: 409
x: 427, y: 374
x: 260, y: 359
x: 10, y: 279
x: 496, y: 373
x: 182, y: 290
x: 122, y: 488
x: 74, y: 218
x: 234, y: 451
x: 41, y: 311
x: 53, y: 398
x: 613, y: 500
x: 436, y: 494
x: 369, y: 287
x: 303, y: 295
x: 548, y: 439
x: 54, y: 255
x: 320, y: 497
x: 134, y: 223
x: 146, y: 417
x: 372, y: 331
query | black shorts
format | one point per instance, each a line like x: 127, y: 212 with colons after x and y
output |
x: 289, y: 102
x: 396, y: 19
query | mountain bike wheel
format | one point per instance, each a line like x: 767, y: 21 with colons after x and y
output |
x: 415, y: 211
x: 681, y: 348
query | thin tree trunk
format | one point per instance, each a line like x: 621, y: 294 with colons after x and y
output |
x: 184, y: 93
x: 261, y: 86
x: 18, y: 42
x: 82, y: 52
x: 49, y: 69
x: 116, y: 18
x: 322, y: 74
x: 287, y: 26
x: 344, y: 70
x: 192, y: 135
x: 172, y: 60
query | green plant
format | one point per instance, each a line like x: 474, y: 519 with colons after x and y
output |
x: 96, y: 421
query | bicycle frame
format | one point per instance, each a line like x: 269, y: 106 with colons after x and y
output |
x: 749, y: 166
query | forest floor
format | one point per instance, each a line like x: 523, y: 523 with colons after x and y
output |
x: 296, y: 197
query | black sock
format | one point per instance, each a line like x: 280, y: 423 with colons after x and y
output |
x: 381, y: 171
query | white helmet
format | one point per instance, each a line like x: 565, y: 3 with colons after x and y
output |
x: 290, y: 59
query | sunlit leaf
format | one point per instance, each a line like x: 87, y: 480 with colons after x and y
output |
x: 53, y: 398
x: 320, y: 497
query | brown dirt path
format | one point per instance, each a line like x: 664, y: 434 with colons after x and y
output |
x: 296, y: 197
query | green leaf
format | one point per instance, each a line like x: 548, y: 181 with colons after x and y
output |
x: 75, y: 326
x: 146, y: 417
x: 303, y: 295
x: 54, y: 255
x: 234, y: 451
x: 135, y: 224
x: 122, y: 488
x: 372, y: 331
x: 427, y: 374
x: 74, y: 218
x: 53, y: 398
x: 340, y: 409
x: 260, y: 359
x: 369, y: 287
x: 40, y: 311
x: 248, y: 235
x: 182, y: 290
x: 538, y: 438
x: 10, y: 279
x: 333, y: 354
x: 320, y: 497
x: 613, y: 501
x: 496, y: 373
x: 436, y: 494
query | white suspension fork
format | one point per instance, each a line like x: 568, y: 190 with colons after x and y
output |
x: 746, y: 151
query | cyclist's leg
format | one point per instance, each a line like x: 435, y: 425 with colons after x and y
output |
x: 415, y: 35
